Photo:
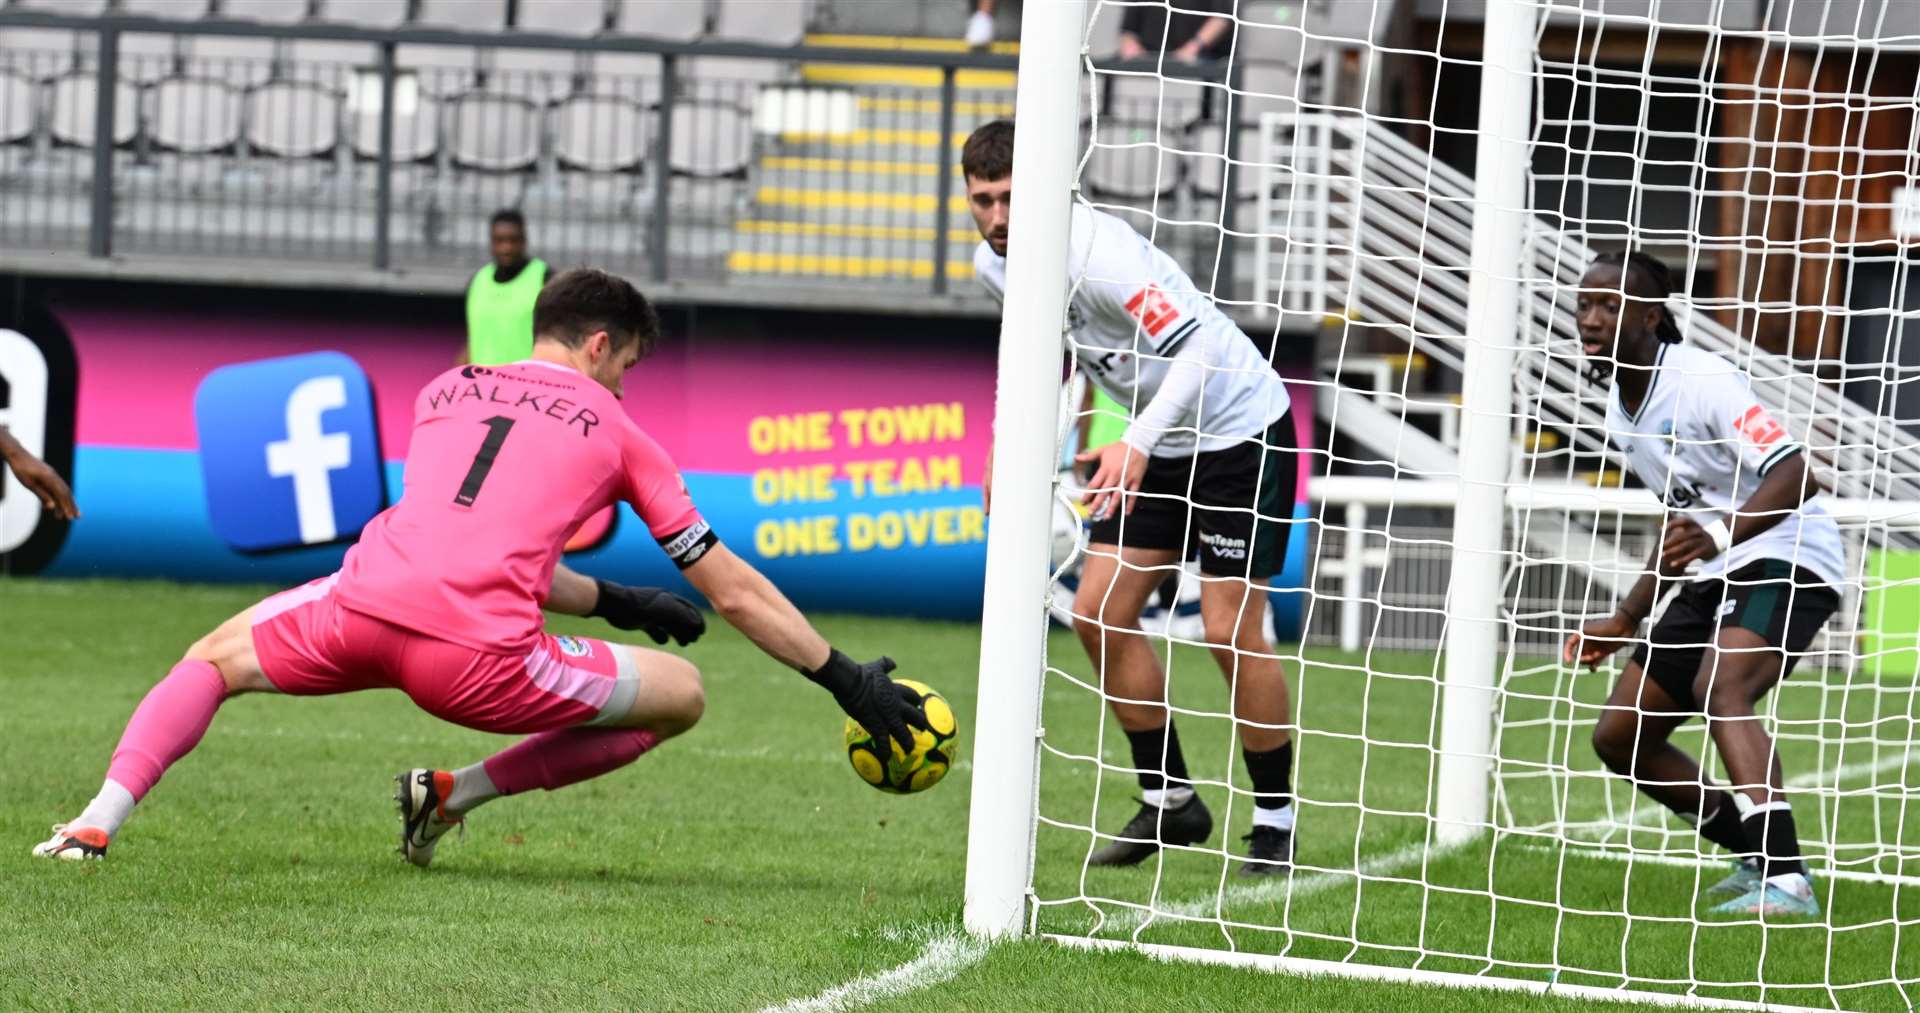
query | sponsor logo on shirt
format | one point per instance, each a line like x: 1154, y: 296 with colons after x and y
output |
x: 288, y: 451
x: 1152, y: 309
x: 573, y: 647
x: 1759, y: 428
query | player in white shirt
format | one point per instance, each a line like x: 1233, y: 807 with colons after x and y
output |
x: 1756, y: 559
x: 1208, y: 463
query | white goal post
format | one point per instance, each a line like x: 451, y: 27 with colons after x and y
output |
x: 1414, y: 189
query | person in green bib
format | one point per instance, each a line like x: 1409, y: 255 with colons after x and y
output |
x: 500, y: 297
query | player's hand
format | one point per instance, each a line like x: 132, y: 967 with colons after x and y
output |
x: 661, y: 614
x: 45, y: 483
x: 1681, y: 543
x: 1189, y: 53
x: 1598, y: 639
x: 1130, y: 47
x: 1118, y: 469
x: 879, y: 704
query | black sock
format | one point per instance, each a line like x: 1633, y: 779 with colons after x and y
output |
x: 1272, y: 774
x: 1147, y: 747
x: 1770, y: 832
x: 1722, y: 825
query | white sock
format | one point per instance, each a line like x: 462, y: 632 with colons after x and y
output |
x: 1279, y: 819
x: 471, y: 787
x: 1793, y: 883
x: 1166, y: 798
x: 108, y: 809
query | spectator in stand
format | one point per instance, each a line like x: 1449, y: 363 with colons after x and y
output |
x: 500, y: 298
x: 1183, y: 34
x: 980, y: 25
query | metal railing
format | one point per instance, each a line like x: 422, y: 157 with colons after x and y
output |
x: 684, y: 161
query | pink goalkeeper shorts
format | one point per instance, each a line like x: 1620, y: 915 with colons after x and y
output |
x: 310, y: 645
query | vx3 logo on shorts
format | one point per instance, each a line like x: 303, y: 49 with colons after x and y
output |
x: 289, y: 451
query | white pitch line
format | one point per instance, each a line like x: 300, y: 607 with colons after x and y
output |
x: 945, y: 955
x: 1277, y: 887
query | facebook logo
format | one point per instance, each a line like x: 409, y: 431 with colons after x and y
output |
x: 288, y: 451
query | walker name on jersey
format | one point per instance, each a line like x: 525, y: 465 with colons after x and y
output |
x: 552, y: 406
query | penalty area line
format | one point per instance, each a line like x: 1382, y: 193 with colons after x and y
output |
x: 943, y: 957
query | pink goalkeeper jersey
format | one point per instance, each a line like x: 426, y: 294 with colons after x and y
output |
x: 505, y: 462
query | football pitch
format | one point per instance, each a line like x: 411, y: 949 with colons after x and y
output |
x: 745, y: 866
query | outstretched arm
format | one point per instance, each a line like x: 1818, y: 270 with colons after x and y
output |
x: 745, y: 598
x: 39, y: 479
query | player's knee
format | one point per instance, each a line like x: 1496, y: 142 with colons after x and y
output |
x: 682, y: 699
x: 219, y: 650
x: 1724, y: 697
x: 1613, y: 743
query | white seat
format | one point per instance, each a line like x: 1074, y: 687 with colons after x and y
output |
x: 1149, y: 98
x: 562, y: 17
x: 366, y: 13
x: 1208, y: 167
x: 37, y: 53
x: 416, y: 124
x: 472, y: 15
x: 196, y: 116
x: 240, y: 61
x: 328, y: 62
x: 443, y: 71
x: 1124, y: 162
x: 173, y: 10
x: 293, y: 119
x: 72, y: 107
x: 633, y: 76
x: 539, y: 75
x: 728, y: 78
x: 498, y: 133
x: 1275, y: 31
x: 16, y: 107
x: 767, y: 22
x: 602, y: 134
x: 276, y: 12
x: 678, y: 20
x: 74, y: 8
x: 710, y: 139
x: 146, y: 57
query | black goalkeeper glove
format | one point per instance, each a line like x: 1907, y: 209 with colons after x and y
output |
x: 879, y: 704
x: 662, y: 614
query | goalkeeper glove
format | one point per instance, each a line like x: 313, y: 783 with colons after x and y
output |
x: 879, y: 704
x: 662, y: 614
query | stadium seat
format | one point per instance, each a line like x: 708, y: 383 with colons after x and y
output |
x: 443, y: 71
x: 38, y: 53
x: 1125, y: 162
x: 497, y: 133
x: 146, y: 57
x: 276, y: 12
x: 634, y: 76
x: 16, y: 107
x: 728, y: 78
x: 196, y: 116
x: 710, y: 139
x: 468, y: 15
x: 329, y: 62
x: 1208, y: 168
x: 239, y: 61
x: 542, y: 76
x: 71, y: 110
x: 173, y: 10
x: 293, y: 119
x: 416, y: 128
x: 677, y: 20
x: 562, y: 17
x: 74, y: 8
x: 767, y: 22
x: 1147, y: 98
x: 598, y: 133
x: 365, y: 13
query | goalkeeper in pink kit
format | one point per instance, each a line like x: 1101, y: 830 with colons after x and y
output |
x: 442, y: 596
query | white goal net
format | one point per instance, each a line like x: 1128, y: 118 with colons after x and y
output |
x: 1398, y: 201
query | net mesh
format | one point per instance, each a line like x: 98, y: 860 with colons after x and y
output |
x: 1310, y: 170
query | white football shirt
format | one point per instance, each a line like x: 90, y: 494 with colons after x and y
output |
x: 1702, y: 442
x: 1133, y: 317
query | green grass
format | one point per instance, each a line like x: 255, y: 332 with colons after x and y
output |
x: 746, y: 865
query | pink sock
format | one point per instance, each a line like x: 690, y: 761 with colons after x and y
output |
x: 166, y: 725
x: 556, y: 759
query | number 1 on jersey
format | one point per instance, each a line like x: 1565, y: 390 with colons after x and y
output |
x: 497, y: 428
